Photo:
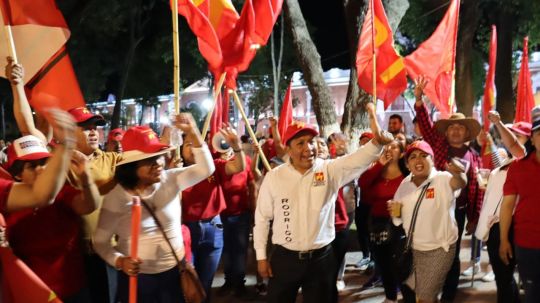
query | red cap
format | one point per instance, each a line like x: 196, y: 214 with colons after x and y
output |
x: 294, y: 128
x: 141, y: 142
x: 82, y: 114
x: 116, y: 134
x: 368, y: 135
x: 522, y: 128
x: 26, y: 148
x: 419, y: 145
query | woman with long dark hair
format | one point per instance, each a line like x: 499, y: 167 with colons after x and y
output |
x: 378, y: 185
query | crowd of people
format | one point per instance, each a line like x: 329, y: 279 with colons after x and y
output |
x: 68, y: 203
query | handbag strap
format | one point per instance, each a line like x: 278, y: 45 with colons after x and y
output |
x: 149, y: 209
x: 415, y: 215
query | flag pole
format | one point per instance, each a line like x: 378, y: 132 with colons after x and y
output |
x: 250, y: 130
x: 9, y: 38
x: 176, y: 53
x: 215, y: 96
x: 453, y: 87
x: 374, y: 75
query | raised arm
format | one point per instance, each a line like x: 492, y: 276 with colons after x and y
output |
x: 21, y: 107
x: 51, y: 180
x: 278, y: 144
x: 238, y: 164
x: 422, y: 117
x: 508, y: 138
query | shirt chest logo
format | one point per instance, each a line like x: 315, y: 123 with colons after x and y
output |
x: 318, y: 179
x: 430, y: 193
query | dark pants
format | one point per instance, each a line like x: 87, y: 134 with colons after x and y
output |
x: 361, y: 220
x: 528, y: 261
x: 206, y: 246
x: 452, y: 278
x: 385, y: 261
x: 339, y: 246
x: 153, y: 288
x: 96, y: 277
x: 235, y: 246
x: 507, y: 289
x: 315, y: 274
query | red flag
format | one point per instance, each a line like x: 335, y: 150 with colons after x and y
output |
x: 390, y: 74
x: 39, y: 31
x: 266, y: 14
x: 525, y: 96
x: 225, y: 106
x: 202, y: 28
x: 286, y: 115
x: 435, y: 59
x: 19, y: 283
x: 56, y: 79
x: 489, y: 89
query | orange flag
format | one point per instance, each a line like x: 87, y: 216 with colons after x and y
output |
x: 489, y: 89
x: 377, y: 38
x: 19, y: 283
x: 286, y: 115
x: 435, y: 59
x: 40, y: 33
x: 525, y: 96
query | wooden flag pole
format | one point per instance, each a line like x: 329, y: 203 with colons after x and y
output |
x: 374, y: 75
x: 176, y: 53
x: 206, y: 125
x: 9, y: 38
x: 250, y: 131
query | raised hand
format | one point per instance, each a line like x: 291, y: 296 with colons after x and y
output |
x: 494, y: 117
x: 63, y: 126
x: 385, y: 157
x: 79, y: 163
x: 381, y: 137
x: 185, y: 123
x: 230, y: 136
x: 14, y: 72
x: 419, y: 85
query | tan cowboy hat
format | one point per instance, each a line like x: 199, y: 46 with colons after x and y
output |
x: 471, y: 124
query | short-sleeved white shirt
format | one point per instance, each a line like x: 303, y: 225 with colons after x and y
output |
x: 435, y: 224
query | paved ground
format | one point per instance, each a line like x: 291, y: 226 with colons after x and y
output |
x: 480, y: 292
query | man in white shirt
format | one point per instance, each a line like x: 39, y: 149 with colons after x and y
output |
x: 299, y: 196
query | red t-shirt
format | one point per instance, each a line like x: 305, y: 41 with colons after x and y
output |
x: 205, y: 200
x: 5, y: 188
x: 236, y: 191
x: 375, y: 190
x: 47, y: 240
x: 268, y: 148
x: 342, y: 218
x: 522, y: 179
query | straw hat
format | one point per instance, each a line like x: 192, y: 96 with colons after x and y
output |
x: 471, y: 124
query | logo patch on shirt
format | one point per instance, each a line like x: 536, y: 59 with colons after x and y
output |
x: 318, y: 179
x: 430, y: 193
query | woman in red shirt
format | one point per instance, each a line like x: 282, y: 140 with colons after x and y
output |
x: 522, y: 180
x: 202, y: 205
x: 378, y: 185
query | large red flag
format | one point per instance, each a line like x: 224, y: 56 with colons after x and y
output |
x: 525, y: 96
x: 377, y: 38
x: 489, y: 89
x: 225, y: 106
x: 435, y: 59
x: 286, y: 115
x: 266, y: 14
x: 19, y: 283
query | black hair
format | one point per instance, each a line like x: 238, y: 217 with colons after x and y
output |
x: 126, y: 175
x: 16, y: 168
x: 414, y: 120
x: 401, y: 162
x: 244, y: 138
x: 396, y: 116
x: 529, y: 147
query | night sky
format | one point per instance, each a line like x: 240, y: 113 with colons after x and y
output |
x: 330, y: 35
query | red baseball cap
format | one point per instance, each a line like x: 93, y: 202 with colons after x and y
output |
x: 82, y: 115
x: 296, y: 127
x: 26, y: 148
x: 368, y: 135
x: 522, y: 128
x: 141, y: 142
x: 419, y: 145
x: 116, y: 134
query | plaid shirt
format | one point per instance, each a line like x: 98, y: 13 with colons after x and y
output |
x: 440, y: 148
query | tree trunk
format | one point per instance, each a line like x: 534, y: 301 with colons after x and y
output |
x: 310, y: 62
x: 276, y: 66
x: 468, y: 22
x: 503, y: 75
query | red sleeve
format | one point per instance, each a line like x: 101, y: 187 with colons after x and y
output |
x: 67, y: 194
x: 220, y: 169
x: 510, y: 186
x: 369, y: 176
x: 475, y: 194
x: 250, y: 177
x: 429, y: 133
x: 5, y: 188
